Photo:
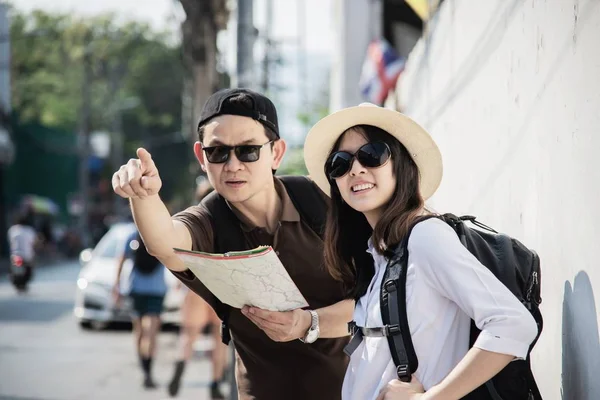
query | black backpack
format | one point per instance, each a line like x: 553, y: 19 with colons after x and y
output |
x: 228, y: 235
x: 142, y: 260
x: 516, y: 266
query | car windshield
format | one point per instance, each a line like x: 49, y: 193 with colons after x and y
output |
x: 112, y: 244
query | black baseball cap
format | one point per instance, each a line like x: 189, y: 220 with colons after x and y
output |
x: 263, y: 110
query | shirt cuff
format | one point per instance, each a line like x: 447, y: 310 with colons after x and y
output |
x: 186, y: 276
x: 503, y: 345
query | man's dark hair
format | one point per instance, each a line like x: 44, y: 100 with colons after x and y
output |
x: 245, y: 101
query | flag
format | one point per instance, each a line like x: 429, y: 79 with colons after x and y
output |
x: 380, y: 71
x: 424, y: 8
x: 420, y: 7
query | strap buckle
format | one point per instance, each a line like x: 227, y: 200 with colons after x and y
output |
x: 403, y: 372
x: 352, y: 328
x: 391, y: 330
x: 389, y: 286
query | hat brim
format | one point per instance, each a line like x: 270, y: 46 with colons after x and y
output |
x: 321, y: 138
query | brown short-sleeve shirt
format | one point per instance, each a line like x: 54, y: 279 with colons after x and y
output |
x: 268, y: 370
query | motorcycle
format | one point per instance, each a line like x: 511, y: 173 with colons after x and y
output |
x: 21, y: 272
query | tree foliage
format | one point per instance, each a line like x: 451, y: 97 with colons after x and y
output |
x: 136, y: 79
x: 133, y: 69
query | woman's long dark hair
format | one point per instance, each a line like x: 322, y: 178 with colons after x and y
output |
x: 347, y: 231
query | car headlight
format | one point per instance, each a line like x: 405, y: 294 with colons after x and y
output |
x: 87, y: 285
x: 82, y: 283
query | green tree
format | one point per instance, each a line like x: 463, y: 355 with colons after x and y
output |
x: 129, y: 61
x: 136, y: 82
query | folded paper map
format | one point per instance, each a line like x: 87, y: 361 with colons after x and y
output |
x: 254, y: 277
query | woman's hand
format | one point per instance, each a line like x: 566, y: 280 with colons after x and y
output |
x: 398, y: 390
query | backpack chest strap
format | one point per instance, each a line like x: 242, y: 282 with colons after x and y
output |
x: 358, y: 332
x: 384, y: 331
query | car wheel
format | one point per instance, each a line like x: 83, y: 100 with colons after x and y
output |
x: 93, y: 325
x: 86, y: 325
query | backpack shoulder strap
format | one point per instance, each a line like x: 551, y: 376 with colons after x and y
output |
x: 227, y: 233
x: 393, y: 309
x: 394, y: 317
x: 308, y: 200
x: 228, y: 236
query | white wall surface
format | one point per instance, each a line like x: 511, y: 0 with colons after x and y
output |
x: 510, y: 90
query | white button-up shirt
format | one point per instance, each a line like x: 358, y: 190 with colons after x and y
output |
x: 446, y: 287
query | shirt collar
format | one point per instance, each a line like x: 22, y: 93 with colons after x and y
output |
x: 377, y: 256
x: 370, y: 248
x: 288, y: 210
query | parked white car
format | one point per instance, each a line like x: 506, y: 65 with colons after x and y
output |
x: 94, y: 306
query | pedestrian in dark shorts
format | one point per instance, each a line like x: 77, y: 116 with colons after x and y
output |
x: 146, y: 287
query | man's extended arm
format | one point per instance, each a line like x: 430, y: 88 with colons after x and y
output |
x: 139, y: 181
x: 159, y: 232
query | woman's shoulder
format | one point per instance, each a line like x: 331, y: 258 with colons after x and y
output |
x: 432, y: 233
x: 431, y: 227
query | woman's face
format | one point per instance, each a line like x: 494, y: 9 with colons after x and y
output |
x: 367, y: 190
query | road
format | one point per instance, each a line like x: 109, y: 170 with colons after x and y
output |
x: 44, y: 355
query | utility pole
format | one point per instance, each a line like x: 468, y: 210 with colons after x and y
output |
x: 268, y: 43
x: 84, y: 142
x: 245, y: 44
x: 301, y: 14
x: 5, y: 111
x: 116, y: 130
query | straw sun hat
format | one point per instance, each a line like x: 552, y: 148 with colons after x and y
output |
x: 321, y: 138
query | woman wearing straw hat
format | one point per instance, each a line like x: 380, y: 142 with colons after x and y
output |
x: 379, y: 167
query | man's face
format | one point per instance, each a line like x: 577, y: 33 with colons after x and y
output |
x: 239, y: 181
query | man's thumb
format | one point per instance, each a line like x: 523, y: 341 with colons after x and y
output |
x: 151, y: 183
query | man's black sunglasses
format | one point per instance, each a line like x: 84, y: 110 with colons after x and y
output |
x: 244, y: 153
x: 370, y: 155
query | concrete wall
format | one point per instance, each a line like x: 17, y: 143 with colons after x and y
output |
x: 356, y: 23
x: 510, y: 90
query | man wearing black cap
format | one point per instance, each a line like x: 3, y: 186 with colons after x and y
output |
x: 280, y: 355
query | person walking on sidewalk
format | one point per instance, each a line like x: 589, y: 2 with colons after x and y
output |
x: 146, y: 287
x: 293, y: 355
x: 196, y: 314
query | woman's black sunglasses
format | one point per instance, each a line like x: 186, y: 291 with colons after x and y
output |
x: 370, y: 155
x: 244, y: 153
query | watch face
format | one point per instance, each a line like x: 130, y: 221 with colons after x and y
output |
x: 312, y: 336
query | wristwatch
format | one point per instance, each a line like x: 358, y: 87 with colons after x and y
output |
x: 313, y: 332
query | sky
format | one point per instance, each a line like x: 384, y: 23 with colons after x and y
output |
x: 168, y: 14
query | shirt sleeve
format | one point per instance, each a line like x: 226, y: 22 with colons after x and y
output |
x: 450, y: 269
x: 198, y: 222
